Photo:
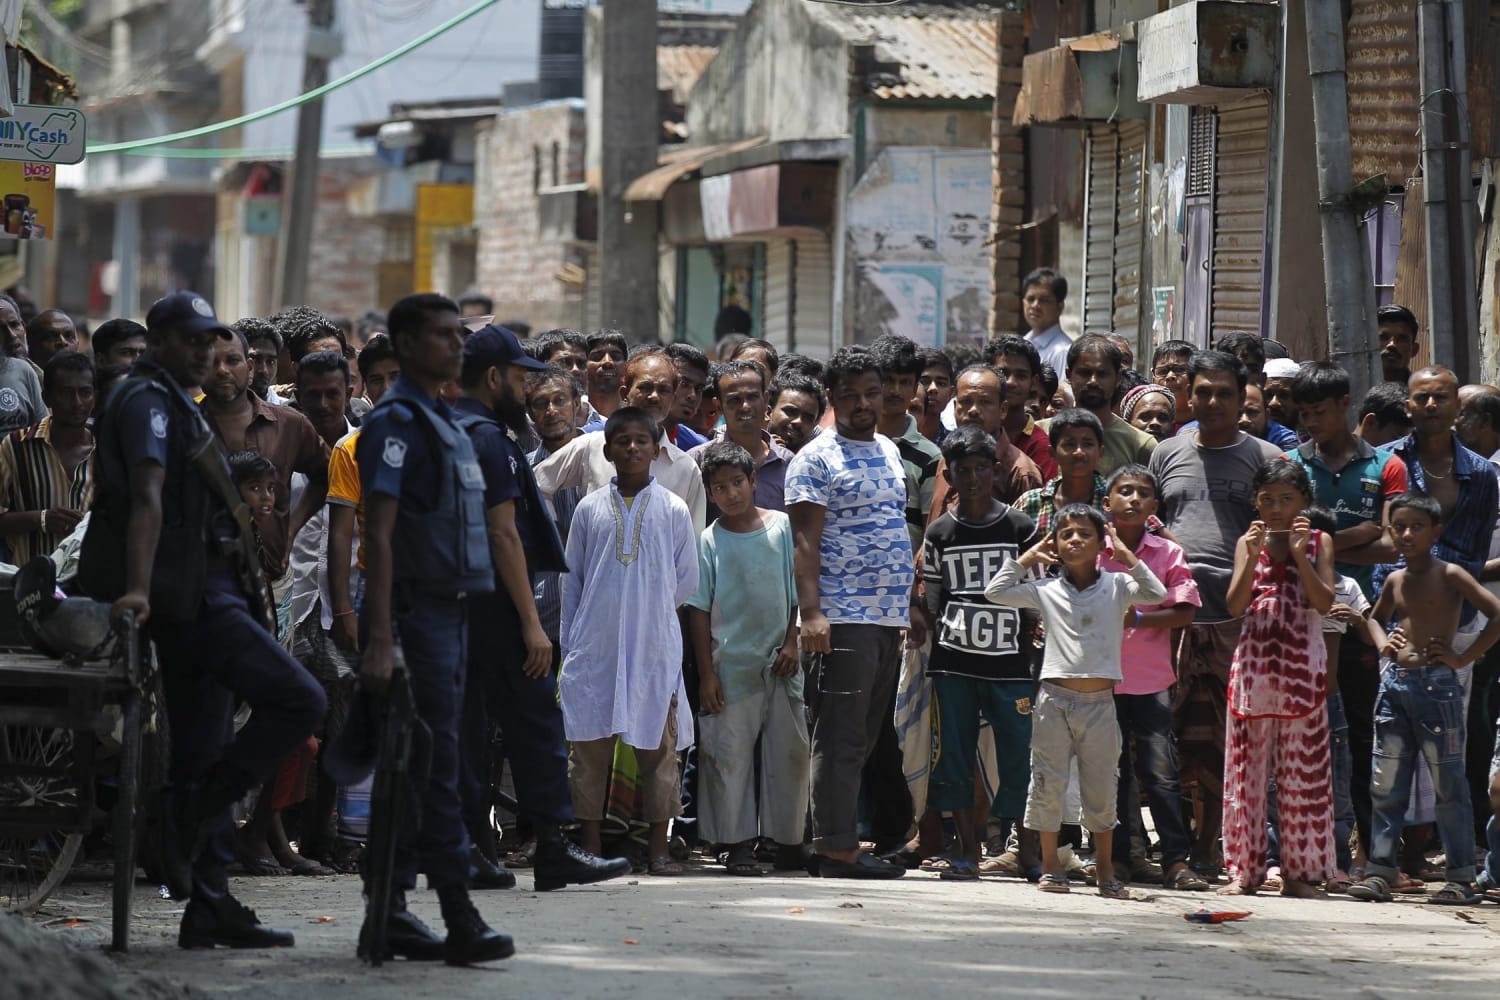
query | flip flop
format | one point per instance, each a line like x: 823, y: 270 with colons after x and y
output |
x: 1408, y: 886
x: 741, y: 861
x: 1454, y: 894
x: 937, y: 864
x: 664, y: 866
x: 1372, y: 890
x: 1186, y: 880
x: 960, y: 871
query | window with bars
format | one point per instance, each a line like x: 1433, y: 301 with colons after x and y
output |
x: 1202, y: 132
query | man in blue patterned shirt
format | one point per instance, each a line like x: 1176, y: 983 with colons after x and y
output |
x: 846, y: 496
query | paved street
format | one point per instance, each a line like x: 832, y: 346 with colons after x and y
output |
x: 708, y: 936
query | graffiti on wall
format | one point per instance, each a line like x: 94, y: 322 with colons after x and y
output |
x: 919, y: 242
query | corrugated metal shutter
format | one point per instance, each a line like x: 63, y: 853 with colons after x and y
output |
x: 1239, y: 217
x: 1130, y: 232
x: 776, y: 316
x: 812, y: 298
x: 1099, y: 208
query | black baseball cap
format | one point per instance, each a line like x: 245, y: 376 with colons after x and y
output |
x: 185, y: 312
x: 495, y: 345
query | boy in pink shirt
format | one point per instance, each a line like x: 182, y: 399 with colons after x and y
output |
x: 1143, y: 700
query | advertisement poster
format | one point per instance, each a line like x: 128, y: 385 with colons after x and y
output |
x: 29, y: 198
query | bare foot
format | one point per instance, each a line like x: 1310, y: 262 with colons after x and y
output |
x: 1235, y: 888
x: 1301, y: 890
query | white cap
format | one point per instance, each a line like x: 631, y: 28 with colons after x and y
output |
x: 1282, y: 368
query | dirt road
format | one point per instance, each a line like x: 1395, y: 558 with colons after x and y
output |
x: 705, y: 935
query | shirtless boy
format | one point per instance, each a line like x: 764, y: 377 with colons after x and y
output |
x: 1419, y: 712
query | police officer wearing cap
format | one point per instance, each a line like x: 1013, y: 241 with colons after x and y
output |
x: 510, y: 679
x: 426, y: 554
x: 161, y: 544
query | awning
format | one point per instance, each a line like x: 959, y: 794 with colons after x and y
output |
x: 653, y: 186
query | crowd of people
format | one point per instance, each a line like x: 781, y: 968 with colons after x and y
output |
x: 968, y: 610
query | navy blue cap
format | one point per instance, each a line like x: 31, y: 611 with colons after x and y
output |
x: 185, y: 312
x: 495, y: 345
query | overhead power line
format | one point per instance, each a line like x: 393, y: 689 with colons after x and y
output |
x: 311, y: 95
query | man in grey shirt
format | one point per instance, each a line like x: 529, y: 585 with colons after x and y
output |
x: 20, y: 395
x: 1204, y: 478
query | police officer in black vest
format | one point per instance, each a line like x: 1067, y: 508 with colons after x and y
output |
x: 510, y: 658
x: 161, y: 544
x: 426, y: 550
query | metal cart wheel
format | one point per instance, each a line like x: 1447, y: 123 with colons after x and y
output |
x: 33, y: 865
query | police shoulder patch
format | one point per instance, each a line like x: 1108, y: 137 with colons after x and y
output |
x: 158, y: 423
x: 394, y: 452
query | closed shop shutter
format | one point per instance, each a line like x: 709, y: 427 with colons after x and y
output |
x: 776, y: 317
x: 1239, y: 250
x: 1099, y: 207
x: 812, y: 298
x: 1130, y: 232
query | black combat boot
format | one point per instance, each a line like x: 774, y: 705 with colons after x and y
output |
x: 406, y: 936
x: 485, y: 874
x: 561, y: 862
x: 470, y: 939
x: 214, y: 918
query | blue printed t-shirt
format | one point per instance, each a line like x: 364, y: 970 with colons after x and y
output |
x: 745, y: 583
x: 866, y: 567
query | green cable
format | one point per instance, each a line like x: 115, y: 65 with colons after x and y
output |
x: 311, y: 95
x: 216, y: 153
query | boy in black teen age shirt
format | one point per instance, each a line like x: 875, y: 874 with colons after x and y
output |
x: 978, y: 662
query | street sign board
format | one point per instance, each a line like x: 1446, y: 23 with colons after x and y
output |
x: 41, y: 133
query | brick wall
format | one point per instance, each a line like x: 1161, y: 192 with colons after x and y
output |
x: 520, y: 251
x: 343, y: 272
x: 1008, y: 210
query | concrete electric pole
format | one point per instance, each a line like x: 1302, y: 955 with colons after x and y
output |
x: 628, y: 148
x: 301, y: 200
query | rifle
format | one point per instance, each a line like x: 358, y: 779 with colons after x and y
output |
x: 392, y: 796
x: 209, y: 461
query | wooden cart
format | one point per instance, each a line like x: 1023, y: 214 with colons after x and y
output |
x: 56, y: 719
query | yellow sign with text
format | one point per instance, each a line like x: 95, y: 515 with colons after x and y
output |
x: 28, y: 200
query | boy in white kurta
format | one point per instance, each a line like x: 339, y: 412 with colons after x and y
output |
x: 634, y: 559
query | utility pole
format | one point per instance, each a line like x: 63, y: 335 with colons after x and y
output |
x: 301, y: 200
x: 1448, y: 188
x: 628, y: 149
x: 1350, y: 294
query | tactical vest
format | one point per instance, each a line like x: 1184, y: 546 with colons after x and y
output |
x: 187, y: 505
x: 444, y: 552
x: 544, y: 546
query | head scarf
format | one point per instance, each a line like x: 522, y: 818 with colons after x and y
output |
x: 1133, y: 399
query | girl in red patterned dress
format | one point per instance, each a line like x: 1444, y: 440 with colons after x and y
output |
x: 1283, y: 585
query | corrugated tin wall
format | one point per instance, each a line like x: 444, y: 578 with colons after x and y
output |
x: 1239, y: 217
x: 1385, y: 88
x: 1101, y: 203
x: 776, y: 316
x: 1130, y: 233
x: 812, y: 297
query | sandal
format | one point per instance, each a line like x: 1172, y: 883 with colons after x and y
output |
x: 1372, y: 890
x: 1454, y: 894
x: 523, y: 857
x: 1273, y: 881
x: 1491, y: 895
x: 1005, y: 864
x: 1405, y: 885
x: 310, y: 868
x: 741, y: 862
x: 664, y: 865
x: 1113, y: 888
x: 937, y: 864
x: 1185, y: 879
x: 1053, y: 883
x: 1337, y: 884
x: 960, y: 870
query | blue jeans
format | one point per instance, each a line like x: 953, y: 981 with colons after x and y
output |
x: 1146, y: 720
x: 1419, y: 716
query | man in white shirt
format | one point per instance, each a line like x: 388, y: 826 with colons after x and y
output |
x: 1043, y: 293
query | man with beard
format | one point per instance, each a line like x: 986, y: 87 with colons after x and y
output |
x: 692, y: 379
x: 242, y: 421
x: 553, y: 400
x: 1094, y: 367
x: 846, y: 497
x: 265, y: 355
x: 510, y: 678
